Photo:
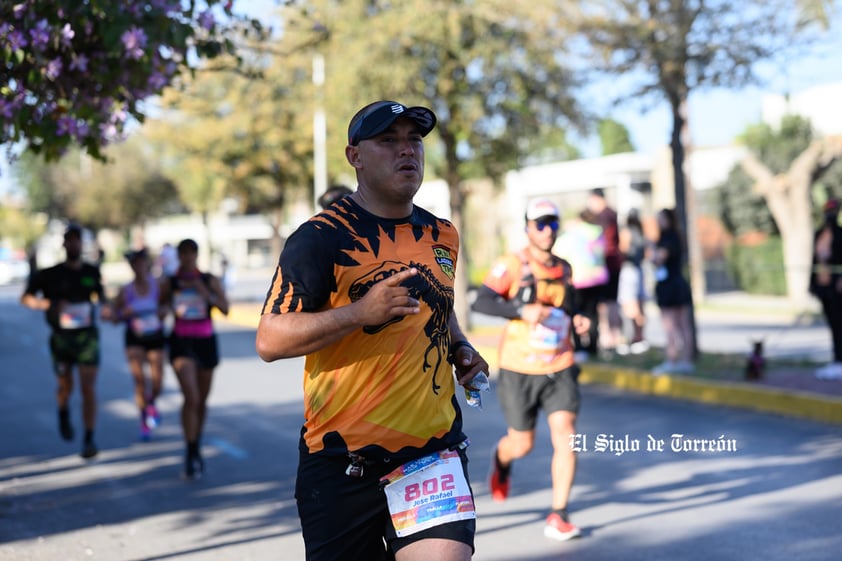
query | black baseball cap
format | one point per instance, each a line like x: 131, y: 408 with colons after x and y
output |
x: 376, y: 117
x: 73, y: 229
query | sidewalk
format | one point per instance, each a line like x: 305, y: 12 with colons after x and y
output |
x: 798, y: 343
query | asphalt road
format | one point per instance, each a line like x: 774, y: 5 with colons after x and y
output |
x: 776, y: 496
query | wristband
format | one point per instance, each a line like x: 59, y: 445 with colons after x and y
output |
x: 454, y: 347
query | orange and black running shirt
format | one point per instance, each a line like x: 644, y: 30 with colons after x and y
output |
x: 384, y: 390
x: 542, y: 348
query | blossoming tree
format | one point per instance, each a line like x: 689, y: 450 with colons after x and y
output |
x: 74, y: 71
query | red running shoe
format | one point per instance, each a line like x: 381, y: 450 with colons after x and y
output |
x: 559, y: 528
x: 499, y: 480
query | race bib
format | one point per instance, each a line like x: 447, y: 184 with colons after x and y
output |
x: 428, y: 492
x: 146, y: 324
x: 552, y: 333
x: 190, y: 305
x: 76, y: 316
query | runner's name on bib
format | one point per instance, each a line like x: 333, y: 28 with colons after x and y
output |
x: 190, y: 305
x: 428, y: 492
x: 146, y: 324
x: 76, y: 316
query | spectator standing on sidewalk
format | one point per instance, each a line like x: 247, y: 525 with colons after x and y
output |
x: 68, y: 293
x: 610, y: 330
x: 533, y: 289
x: 672, y: 294
x: 136, y: 305
x: 190, y: 295
x: 364, y: 290
x: 826, y: 283
x: 631, y: 294
x: 582, y: 244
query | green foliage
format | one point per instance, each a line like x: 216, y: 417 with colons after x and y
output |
x: 758, y: 269
x: 742, y: 210
x: 20, y: 227
x: 494, y: 72
x: 778, y: 148
x: 614, y: 137
x: 246, y: 135
x: 827, y: 187
x: 125, y: 192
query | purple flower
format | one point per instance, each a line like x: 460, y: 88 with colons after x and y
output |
x: 67, y: 34
x: 40, y: 35
x: 19, y: 9
x: 53, y: 69
x: 206, y: 20
x: 107, y: 131
x: 79, y: 62
x: 17, y: 40
x: 134, y: 40
x: 166, y: 5
x: 7, y: 110
x: 119, y: 116
x: 157, y: 81
x: 65, y: 125
x: 82, y: 129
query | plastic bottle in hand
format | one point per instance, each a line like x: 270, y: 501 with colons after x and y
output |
x: 478, y: 384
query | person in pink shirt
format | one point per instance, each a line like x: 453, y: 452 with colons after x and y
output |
x: 190, y: 295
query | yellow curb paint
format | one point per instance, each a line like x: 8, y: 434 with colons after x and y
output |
x: 791, y: 403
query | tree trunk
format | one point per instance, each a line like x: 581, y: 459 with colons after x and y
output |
x: 679, y: 133
x: 789, y: 204
x: 276, y: 244
x: 788, y: 198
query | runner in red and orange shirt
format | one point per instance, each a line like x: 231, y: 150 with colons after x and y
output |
x: 533, y: 289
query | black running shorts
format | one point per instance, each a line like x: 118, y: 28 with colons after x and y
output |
x: 522, y: 395
x: 344, y: 517
x: 78, y: 346
x: 151, y: 342
x: 203, y: 350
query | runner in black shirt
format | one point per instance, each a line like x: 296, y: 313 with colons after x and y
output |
x: 68, y: 293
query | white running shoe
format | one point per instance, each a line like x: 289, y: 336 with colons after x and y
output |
x: 684, y: 367
x: 667, y: 367
x: 832, y: 371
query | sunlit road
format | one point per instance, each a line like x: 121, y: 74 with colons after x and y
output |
x: 777, y: 497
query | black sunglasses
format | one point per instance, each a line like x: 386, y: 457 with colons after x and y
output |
x: 542, y: 223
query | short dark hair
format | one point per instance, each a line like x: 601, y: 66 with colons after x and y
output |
x: 598, y: 192
x: 187, y: 245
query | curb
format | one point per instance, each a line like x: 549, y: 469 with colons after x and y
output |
x: 790, y: 403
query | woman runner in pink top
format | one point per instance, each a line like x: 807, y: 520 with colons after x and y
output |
x: 190, y: 295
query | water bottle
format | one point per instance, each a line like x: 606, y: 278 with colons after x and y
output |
x: 478, y: 384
